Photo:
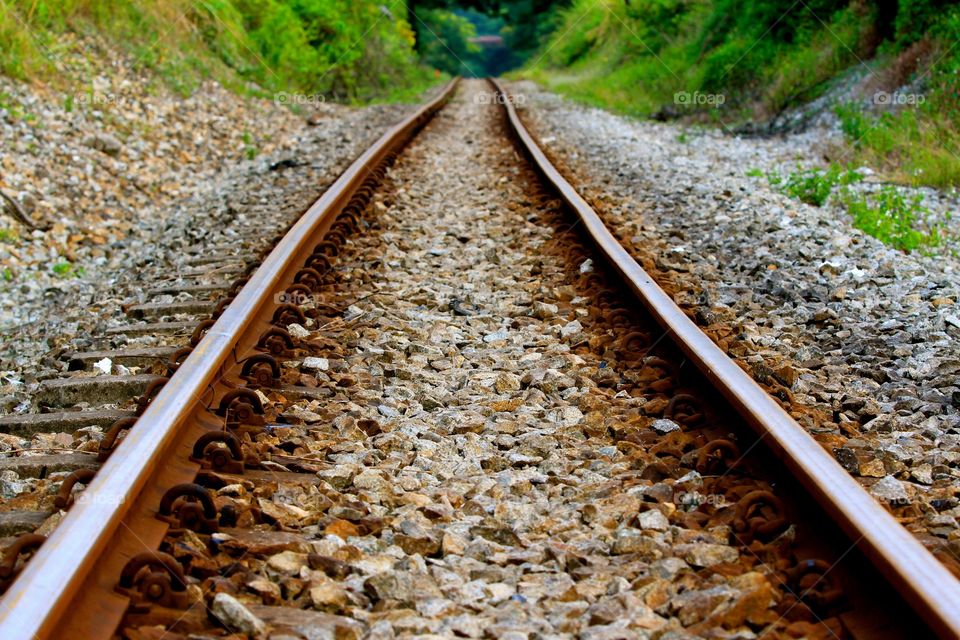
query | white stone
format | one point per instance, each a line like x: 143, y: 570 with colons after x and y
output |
x: 237, y: 617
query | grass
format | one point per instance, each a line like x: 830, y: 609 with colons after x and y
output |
x: 893, y: 218
x: 66, y: 269
x: 253, y: 47
x: 917, y: 145
x: 918, y: 142
x: 813, y: 186
x: 763, y: 57
x: 634, y: 57
x: 250, y: 149
x: 890, y: 216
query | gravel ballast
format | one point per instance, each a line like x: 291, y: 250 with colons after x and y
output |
x: 127, y: 183
x: 463, y: 432
x: 861, y: 336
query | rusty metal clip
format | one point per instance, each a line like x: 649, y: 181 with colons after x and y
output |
x: 261, y: 370
x: 24, y: 544
x: 225, y: 459
x: 149, y: 394
x: 759, y: 513
x: 813, y: 583
x: 176, y: 359
x: 201, y: 330
x: 64, y: 495
x: 154, y: 578
x: 288, y: 314
x: 110, y: 438
x: 188, y: 506
x: 716, y: 457
x: 241, y: 406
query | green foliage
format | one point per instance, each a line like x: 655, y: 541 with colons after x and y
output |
x: 893, y: 219
x: 916, y: 17
x: 763, y: 56
x: 8, y: 236
x: 353, y: 50
x: 813, y: 186
x: 445, y: 42
x: 66, y: 269
x: 920, y: 146
x: 916, y: 143
x: 853, y: 122
x: 636, y: 56
x: 250, y: 149
x: 887, y: 215
x: 13, y: 108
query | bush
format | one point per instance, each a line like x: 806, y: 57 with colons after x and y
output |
x: 445, y: 43
x: 763, y: 55
x: 813, y: 186
x: 892, y: 218
x: 307, y: 46
x: 916, y: 17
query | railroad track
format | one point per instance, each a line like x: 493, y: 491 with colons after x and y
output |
x: 454, y: 418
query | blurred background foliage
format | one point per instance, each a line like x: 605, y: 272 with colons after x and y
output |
x: 769, y: 56
x: 353, y: 50
x: 764, y: 56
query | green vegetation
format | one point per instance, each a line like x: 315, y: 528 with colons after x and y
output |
x: 729, y: 61
x: 920, y: 145
x: 346, y: 49
x: 445, y: 42
x: 894, y: 219
x: 813, y: 186
x: 250, y: 149
x: 446, y: 30
x: 888, y: 215
x: 14, y: 110
x: 918, y: 141
x: 66, y: 269
x: 759, y: 56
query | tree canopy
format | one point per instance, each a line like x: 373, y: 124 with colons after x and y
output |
x: 447, y: 30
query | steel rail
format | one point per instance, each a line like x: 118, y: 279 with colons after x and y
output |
x: 930, y: 589
x: 67, y: 567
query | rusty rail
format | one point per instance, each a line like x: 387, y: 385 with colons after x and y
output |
x: 67, y: 590
x: 913, y: 571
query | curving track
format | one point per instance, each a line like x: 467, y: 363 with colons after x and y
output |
x: 831, y: 560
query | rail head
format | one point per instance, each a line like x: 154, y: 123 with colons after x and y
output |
x: 42, y: 593
x: 916, y: 574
